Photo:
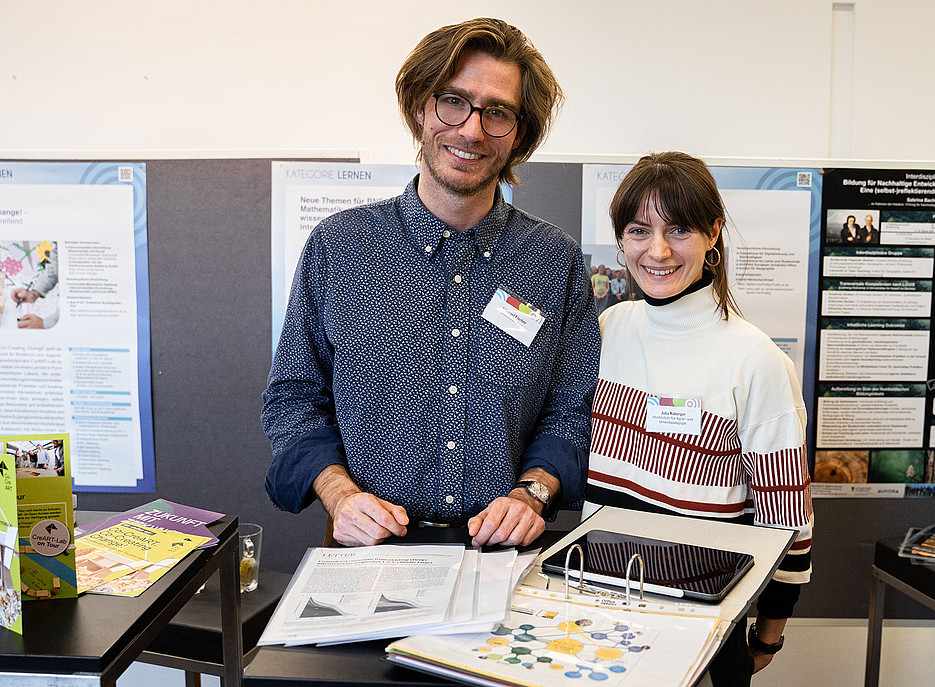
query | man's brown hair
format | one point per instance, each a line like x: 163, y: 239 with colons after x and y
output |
x: 434, y: 61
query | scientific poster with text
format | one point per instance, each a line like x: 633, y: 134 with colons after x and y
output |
x: 74, y: 316
x: 771, y: 239
x: 304, y: 193
x: 874, y: 429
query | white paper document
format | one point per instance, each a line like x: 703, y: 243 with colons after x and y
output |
x: 549, y: 641
x: 349, y: 595
x: 359, y: 593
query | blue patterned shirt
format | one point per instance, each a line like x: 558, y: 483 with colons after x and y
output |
x: 385, y: 364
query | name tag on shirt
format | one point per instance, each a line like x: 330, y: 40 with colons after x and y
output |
x: 510, y: 314
x: 673, y: 415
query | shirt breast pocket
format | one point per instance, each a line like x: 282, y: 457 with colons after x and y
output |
x: 503, y: 361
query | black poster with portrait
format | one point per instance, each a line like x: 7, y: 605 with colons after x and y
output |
x: 875, y: 375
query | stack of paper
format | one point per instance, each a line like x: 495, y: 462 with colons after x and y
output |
x: 161, y: 514
x: 124, y: 554
x: 124, y: 560
x: 919, y: 545
x: 348, y: 595
x: 548, y: 641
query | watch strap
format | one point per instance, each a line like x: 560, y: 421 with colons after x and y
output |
x: 758, y: 645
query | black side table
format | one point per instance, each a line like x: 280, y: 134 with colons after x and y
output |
x: 91, y: 640
x: 915, y: 581
x: 192, y: 641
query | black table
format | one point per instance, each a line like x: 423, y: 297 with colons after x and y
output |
x: 359, y: 663
x: 192, y: 641
x: 91, y: 640
x: 915, y: 581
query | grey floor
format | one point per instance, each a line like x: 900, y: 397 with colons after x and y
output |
x: 146, y: 675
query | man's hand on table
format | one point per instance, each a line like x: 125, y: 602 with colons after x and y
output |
x: 515, y: 519
x: 512, y: 520
x: 360, y: 519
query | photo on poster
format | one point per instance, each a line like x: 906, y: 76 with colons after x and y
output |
x: 29, y: 293
x: 853, y: 227
x: 906, y: 467
x: 842, y: 467
x: 37, y: 458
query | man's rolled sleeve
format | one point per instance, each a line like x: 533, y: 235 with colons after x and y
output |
x: 294, y: 469
x: 564, y: 461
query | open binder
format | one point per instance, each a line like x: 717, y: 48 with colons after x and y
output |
x: 559, y: 631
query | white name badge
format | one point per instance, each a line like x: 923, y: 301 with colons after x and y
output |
x: 515, y: 317
x: 673, y: 415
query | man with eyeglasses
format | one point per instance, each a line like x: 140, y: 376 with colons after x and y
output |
x: 462, y: 395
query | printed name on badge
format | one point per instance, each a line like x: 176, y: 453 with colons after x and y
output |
x: 514, y: 316
x: 673, y: 414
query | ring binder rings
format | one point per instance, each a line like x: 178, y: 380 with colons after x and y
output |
x: 586, y: 588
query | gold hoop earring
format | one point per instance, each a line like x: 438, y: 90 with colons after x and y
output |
x: 716, y: 262
x: 622, y: 264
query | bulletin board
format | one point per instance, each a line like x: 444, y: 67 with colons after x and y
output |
x: 210, y: 307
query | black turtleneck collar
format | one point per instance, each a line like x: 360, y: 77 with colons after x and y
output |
x: 705, y: 279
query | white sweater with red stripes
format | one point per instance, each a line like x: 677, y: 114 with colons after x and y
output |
x: 750, y: 455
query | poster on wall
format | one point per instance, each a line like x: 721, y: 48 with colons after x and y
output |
x: 304, y: 193
x: 74, y: 316
x: 875, y: 377
x: 771, y: 241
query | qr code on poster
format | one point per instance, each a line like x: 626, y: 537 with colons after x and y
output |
x: 126, y: 174
x: 803, y: 179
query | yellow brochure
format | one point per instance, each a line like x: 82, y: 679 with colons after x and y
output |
x: 124, y: 560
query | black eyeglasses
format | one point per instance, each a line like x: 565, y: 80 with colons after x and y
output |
x: 452, y: 109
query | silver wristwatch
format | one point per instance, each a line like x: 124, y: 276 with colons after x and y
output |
x: 537, y: 490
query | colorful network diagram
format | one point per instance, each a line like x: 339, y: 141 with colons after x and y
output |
x: 591, y: 653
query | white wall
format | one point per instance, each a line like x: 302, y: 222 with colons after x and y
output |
x: 744, y: 78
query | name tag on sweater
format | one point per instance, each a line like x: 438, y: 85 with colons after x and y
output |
x: 513, y: 316
x: 673, y: 415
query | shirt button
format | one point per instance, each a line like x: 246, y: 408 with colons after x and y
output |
x: 446, y: 233
x: 449, y: 499
x: 487, y: 254
x: 456, y: 333
x: 457, y: 279
x: 428, y: 249
x: 451, y: 445
x: 452, y: 389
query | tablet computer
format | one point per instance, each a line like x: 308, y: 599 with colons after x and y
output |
x: 670, y: 568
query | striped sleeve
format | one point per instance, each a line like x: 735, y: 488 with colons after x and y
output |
x: 780, y: 487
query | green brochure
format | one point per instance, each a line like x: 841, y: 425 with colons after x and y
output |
x: 45, y: 517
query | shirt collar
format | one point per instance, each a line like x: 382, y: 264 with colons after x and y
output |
x: 427, y: 231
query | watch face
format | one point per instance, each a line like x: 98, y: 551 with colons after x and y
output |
x: 540, y: 491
